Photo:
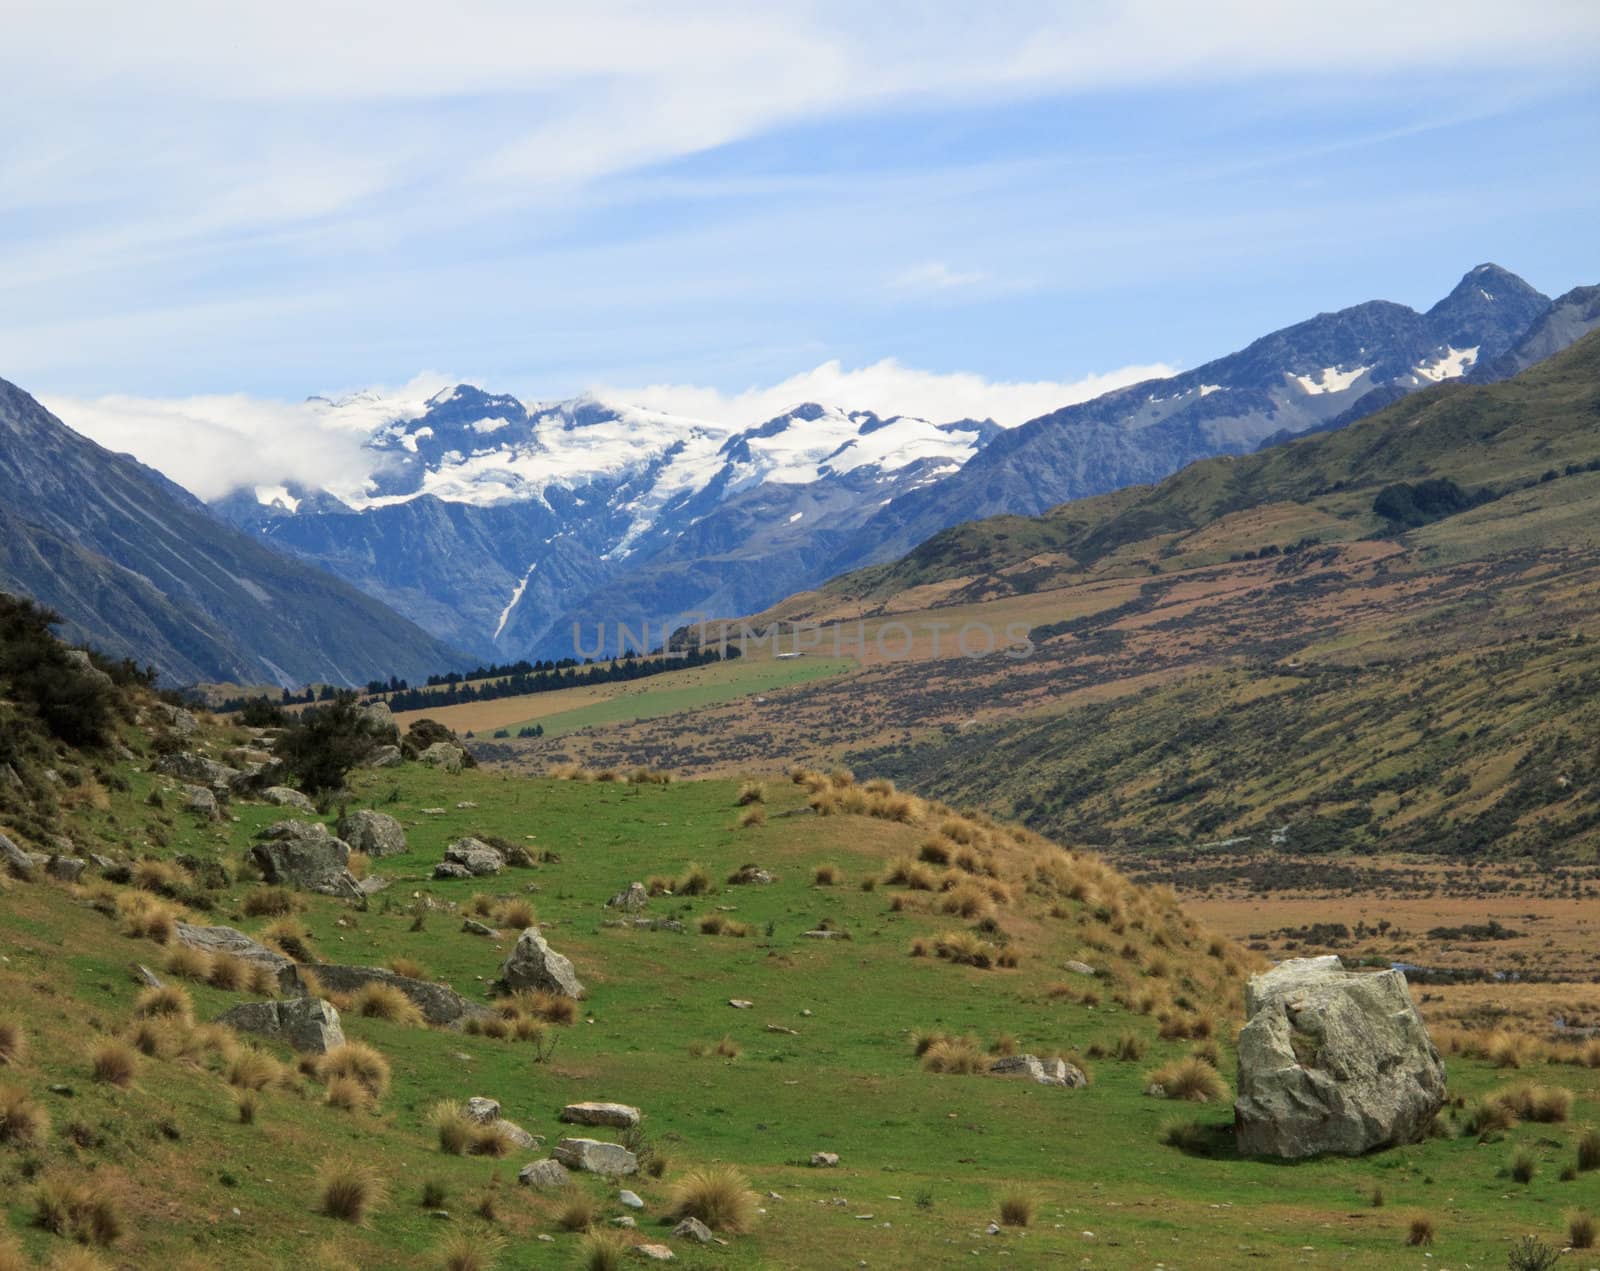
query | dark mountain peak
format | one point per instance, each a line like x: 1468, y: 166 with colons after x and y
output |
x: 1489, y: 309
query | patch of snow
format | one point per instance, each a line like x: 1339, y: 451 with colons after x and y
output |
x: 492, y: 424
x: 1330, y: 379
x: 277, y: 496
x: 1207, y: 389
x: 1452, y: 364
x: 511, y: 604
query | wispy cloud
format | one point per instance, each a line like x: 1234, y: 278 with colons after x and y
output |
x: 935, y: 276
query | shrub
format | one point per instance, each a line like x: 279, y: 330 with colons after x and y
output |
x: 826, y: 875
x: 358, y: 1060
x: 168, y: 1001
x: 80, y: 1209
x: 1421, y: 1232
x: 750, y: 792
x: 1509, y: 1050
x: 490, y: 1140
x: 1529, y: 1254
x: 469, y: 1250
x: 23, y: 1123
x: 1523, y: 1166
x: 1016, y: 1208
x: 753, y: 817
x: 270, y: 902
x: 377, y: 1000
x: 13, y: 1043
x: 114, y: 1062
x: 1189, y: 1079
x: 1130, y: 1046
x: 347, y: 1094
x: 434, y: 1193
x: 1580, y: 1229
x: 603, y: 1251
x: 348, y: 1189
x: 717, y: 1195
x: 955, y: 1054
x: 1589, y: 1149
x: 245, y: 1104
x: 322, y: 744
x: 695, y: 882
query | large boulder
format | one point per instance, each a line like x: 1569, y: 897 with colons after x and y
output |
x: 20, y: 863
x: 533, y: 964
x: 1333, y: 1061
x: 621, y: 1116
x: 191, y: 767
x: 373, y: 833
x: 307, y: 1023
x: 475, y: 856
x: 595, y: 1156
x: 385, y: 757
x: 303, y: 854
x: 202, y: 802
x: 288, y: 797
x: 1044, y: 1072
x: 439, y: 1003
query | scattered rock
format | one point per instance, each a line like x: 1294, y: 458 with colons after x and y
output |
x: 626, y: 1221
x: 1333, y: 1061
x: 655, y: 1253
x: 648, y: 924
x: 596, y: 1157
x: 288, y: 797
x: 483, y: 1110
x: 215, y: 940
x: 179, y: 720
x: 15, y: 859
x: 438, y: 1003
x: 1079, y: 968
x: 449, y: 870
x: 533, y: 964
x: 203, y: 803
x: 740, y: 1003
x: 619, y: 1115
x: 374, y: 834
x: 779, y: 1028
x: 824, y: 1160
x: 632, y: 898
x: 188, y: 766
x: 145, y: 976
x: 519, y: 1137
x: 69, y: 869
x: 476, y: 856
x: 629, y: 1199
x: 693, y: 1229
x: 475, y: 928
x: 750, y: 876
x: 826, y: 934
x: 1047, y: 1072
x: 545, y: 1175
x: 385, y: 757
x: 309, y: 1024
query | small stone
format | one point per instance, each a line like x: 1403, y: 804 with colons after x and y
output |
x: 619, y: 1115
x: 824, y: 1160
x: 475, y: 928
x: 625, y: 1221
x: 595, y: 1156
x: 630, y: 1199
x: 655, y: 1253
x: 740, y: 1003
x: 544, y: 1175
x: 482, y: 1110
x: 993, y: 1229
x: 1079, y: 968
x: 693, y: 1229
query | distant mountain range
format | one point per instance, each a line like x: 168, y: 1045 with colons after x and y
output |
x: 141, y: 569
x: 496, y: 525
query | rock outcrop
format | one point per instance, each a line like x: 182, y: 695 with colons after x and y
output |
x: 1333, y: 1061
x: 1046, y: 1072
x: 619, y: 1115
x: 438, y: 1003
x: 303, y: 854
x: 475, y: 856
x: 596, y: 1157
x: 218, y: 940
x: 533, y: 964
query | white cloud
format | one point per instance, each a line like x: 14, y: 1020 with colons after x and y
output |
x: 213, y: 444
x: 889, y: 388
x: 935, y: 275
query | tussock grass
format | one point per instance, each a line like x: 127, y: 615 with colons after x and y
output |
x: 114, y: 1062
x: 1130, y: 1047
x: 410, y: 968
x: 966, y: 949
x: 23, y: 1123
x: 146, y: 918
x: 246, y: 1103
x: 1524, y: 1165
x: 357, y: 1060
x: 1189, y: 1079
x: 291, y: 938
x: 168, y: 1001
x: 721, y: 925
x: 453, y: 1127
x: 579, y: 1211
x: 1510, y: 1050
x: 469, y: 1251
x: 13, y: 1043
x: 82, y: 1209
x: 727, y: 1048
x: 347, y: 1094
x: 1016, y: 1208
x: 1421, y: 1232
x: 750, y: 792
x: 229, y: 973
x: 348, y: 1189
x: 753, y: 817
x: 1192, y: 1138
x: 254, y: 1069
x: 515, y: 915
x: 694, y: 882
x: 1581, y: 1229
x: 718, y: 1195
x: 377, y: 1000
x: 270, y: 902
x: 490, y: 1140
x: 1589, y: 1149
x: 188, y: 964
x: 955, y: 1055
x: 603, y: 1251
x: 158, y: 1038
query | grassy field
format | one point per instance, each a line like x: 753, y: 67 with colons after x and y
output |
x: 824, y: 1060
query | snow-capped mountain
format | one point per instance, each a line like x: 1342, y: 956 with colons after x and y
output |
x: 496, y: 524
x: 493, y: 520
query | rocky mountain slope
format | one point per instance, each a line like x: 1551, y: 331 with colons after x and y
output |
x: 497, y: 525
x: 141, y: 569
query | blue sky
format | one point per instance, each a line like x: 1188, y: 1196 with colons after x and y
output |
x: 688, y: 203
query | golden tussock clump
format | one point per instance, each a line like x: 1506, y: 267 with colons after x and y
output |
x: 13, y: 1043
x: 718, y: 1195
x: 114, y: 1062
x: 377, y: 1000
x: 359, y: 1061
x: 1189, y: 1079
x: 81, y: 1209
x: 348, y: 1189
x: 23, y: 1123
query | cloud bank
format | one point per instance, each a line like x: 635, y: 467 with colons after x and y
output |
x: 214, y: 444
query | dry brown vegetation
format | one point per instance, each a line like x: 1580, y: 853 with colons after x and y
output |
x: 718, y: 1195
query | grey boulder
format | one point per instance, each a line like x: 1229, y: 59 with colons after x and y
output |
x: 288, y: 797
x: 693, y: 1229
x: 372, y: 833
x: 203, y: 803
x: 1333, y: 1061
x: 533, y: 964
x: 475, y: 856
x: 220, y: 940
x: 443, y: 755
x: 630, y: 899
x: 1045, y: 1072
x: 544, y: 1175
x: 307, y: 1023
x: 596, y: 1157
x: 438, y: 1003
x: 619, y: 1115
x: 303, y: 854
